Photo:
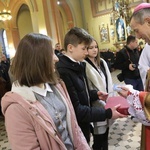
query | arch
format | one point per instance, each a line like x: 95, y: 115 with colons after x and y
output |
x: 12, y: 27
x: 66, y: 8
x: 56, y: 31
x: 63, y: 19
x: 23, y: 21
x: 53, y: 19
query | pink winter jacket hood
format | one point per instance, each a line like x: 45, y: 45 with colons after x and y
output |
x: 29, y: 126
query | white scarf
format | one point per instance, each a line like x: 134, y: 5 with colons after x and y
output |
x: 94, y: 77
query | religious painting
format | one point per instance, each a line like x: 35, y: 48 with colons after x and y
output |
x: 112, y: 33
x: 120, y: 29
x: 101, y: 7
x: 128, y: 30
x: 104, y: 33
x: 117, y: 6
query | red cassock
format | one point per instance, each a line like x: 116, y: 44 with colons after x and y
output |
x: 145, y: 136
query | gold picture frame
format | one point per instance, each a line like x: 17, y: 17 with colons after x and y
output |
x: 104, y: 33
x: 101, y: 7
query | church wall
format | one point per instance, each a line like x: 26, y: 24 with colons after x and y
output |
x: 99, y: 15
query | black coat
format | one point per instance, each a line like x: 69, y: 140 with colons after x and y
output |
x: 123, y: 60
x: 73, y: 74
x: 4, y: 67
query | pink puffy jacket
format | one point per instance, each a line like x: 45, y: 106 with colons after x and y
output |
x: 30, y: 127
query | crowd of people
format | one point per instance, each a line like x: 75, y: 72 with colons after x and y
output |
x: 127, y: 61
x: 109, y: 57
x: 59, y: 100
x: 5, y: 84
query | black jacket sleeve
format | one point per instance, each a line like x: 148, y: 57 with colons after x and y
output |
x: 84, y: 112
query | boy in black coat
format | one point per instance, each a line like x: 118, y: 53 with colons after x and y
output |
x: 72, y: 71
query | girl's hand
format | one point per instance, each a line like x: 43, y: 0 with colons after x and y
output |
x: 102, y: 95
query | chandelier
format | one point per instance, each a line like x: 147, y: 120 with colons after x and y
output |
x: 5, y: 15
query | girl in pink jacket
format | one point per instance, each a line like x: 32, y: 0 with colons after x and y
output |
x: 38, y: 112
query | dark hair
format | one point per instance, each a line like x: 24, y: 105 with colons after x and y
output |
x: 77, y: 36
x: 33, y: 61
x: 130, y: 39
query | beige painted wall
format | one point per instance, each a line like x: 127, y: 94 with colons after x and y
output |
x: 76, y: 11
x: 24, y: 23
x: 94, y: 23
x: 63, y: 19
x: 41, y: 19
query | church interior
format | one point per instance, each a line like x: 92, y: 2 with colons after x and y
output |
x: 55, y: 17
x: 108, y: 21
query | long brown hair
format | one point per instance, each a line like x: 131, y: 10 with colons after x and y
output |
x: 97, y: 58
x: 33, y: 62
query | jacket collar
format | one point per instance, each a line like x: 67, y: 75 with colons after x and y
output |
x: 41, y: 91
x: 130, y: 50
x: 66, y: 62
x: 27, y: 92
x: 72, y: 59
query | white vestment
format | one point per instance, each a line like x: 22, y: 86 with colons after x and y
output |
x: 144, y: 63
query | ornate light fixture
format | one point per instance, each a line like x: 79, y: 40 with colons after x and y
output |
x: 58, y: 2
x: 5, y: 15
